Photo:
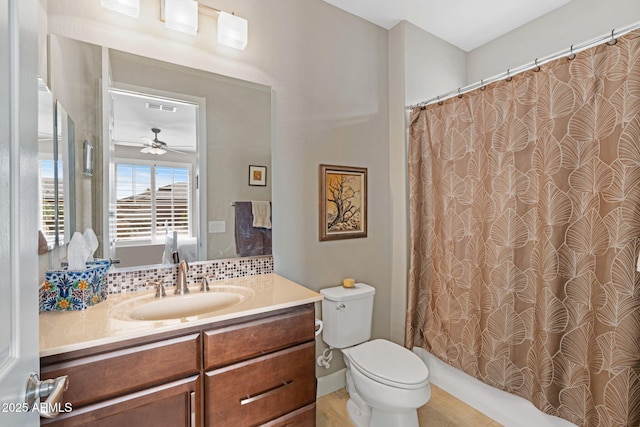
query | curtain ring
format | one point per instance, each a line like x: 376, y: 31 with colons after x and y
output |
x: 439, y: 102
x: 613, y: 39
x: 509, y: 78
x: 459, y: 94
x: 572, y: 55
x: 537, y: 66
x: 482, y: 86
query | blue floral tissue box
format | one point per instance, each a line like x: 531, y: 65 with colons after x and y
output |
x: 74, y: 289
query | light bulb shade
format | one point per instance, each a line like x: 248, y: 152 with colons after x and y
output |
x: 181, y: 15
x: 153, y: 150
x: 232, y: 30
x: 126, y: 7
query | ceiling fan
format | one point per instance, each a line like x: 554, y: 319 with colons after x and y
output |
x: 155, y: 146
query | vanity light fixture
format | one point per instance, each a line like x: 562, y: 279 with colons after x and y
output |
x: 232, y: 30
x: 126, y: 7
x: 181, y: 15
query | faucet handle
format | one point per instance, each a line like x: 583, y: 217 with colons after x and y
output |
x: 160, y: 293
x: 204, y: 287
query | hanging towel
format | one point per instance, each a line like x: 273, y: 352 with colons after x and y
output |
x: 261, y: 214
x: 250, y: 241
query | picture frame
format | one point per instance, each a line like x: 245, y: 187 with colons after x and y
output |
x: 257, y: 175
x: 342, y: 202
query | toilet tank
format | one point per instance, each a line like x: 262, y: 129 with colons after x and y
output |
x: 347, y: 315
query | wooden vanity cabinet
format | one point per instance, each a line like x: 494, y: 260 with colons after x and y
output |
x: 259, y: 371
x: 143, y: 382
x: 256, y: 370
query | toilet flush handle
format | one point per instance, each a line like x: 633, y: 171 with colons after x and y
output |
x: 341, y: 307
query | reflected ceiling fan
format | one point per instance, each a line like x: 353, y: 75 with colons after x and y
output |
x: 155, y: 146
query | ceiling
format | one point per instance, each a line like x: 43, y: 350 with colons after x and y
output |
x: 466, y: 24
x: 133, y: 120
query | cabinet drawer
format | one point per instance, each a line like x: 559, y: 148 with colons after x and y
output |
x: 103, y: 376
x: 175, y: 404
x: 261, y: 389
x: 238, y: 342
x: 303, y: 417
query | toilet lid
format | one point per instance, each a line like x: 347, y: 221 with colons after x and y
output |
x: 390, y: 364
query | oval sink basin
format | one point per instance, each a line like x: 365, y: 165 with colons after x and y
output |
x: 195, y: 303
x: 171, y: 307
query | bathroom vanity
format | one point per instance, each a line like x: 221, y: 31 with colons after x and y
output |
x: 250, y: 364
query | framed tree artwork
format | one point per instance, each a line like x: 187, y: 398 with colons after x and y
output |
x: 343, y: 202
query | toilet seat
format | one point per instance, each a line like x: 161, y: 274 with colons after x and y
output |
x: 390, y: 364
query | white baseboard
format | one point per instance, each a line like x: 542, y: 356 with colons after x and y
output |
x: 332, y: 382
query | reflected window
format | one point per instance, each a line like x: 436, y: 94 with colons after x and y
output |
x: 49, y: 198
x: 151, y: 200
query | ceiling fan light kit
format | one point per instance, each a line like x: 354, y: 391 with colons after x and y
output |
x: 155, y: 146
x: 153, y: 150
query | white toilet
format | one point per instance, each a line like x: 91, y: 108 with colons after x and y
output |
x: 386, y: 382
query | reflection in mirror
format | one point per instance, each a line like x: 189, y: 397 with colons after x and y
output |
x: 155, y: 197
x: 234, y: 131
x: 64, y: 143
x: 47, y: 170
x: 55, y: 173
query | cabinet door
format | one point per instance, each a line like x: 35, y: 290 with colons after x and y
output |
x: 261, y: 389
x: 112, y: 374
x: 175, y: 404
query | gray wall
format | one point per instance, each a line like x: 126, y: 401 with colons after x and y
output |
x: 577, y: 22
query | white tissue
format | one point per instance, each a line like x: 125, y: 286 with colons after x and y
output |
x: 81, y: 249
x: 91, y: 243
x: 77, y: 252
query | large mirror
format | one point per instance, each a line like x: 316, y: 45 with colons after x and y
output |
x: 56, y: 175
x: 173, y: 147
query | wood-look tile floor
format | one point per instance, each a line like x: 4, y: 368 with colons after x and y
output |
x: 442, y: 410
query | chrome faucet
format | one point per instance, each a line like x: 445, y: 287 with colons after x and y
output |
x: 181, y: 283
x: 204, y: 286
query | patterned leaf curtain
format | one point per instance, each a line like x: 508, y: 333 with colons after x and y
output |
x: 525, y: 233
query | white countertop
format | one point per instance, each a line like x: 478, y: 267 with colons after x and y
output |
x: 64, y: 331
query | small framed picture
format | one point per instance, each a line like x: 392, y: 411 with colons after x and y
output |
x: 257, y: 175
x: 343, y: 202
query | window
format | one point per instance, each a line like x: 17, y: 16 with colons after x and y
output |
x: 47, y: 178
x: 152, y: 199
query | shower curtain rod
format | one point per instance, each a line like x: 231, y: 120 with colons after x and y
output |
x: 568, y: 53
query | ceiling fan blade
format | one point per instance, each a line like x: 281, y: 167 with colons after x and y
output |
x: 175, y: 151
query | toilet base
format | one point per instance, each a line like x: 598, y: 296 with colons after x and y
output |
x: 385, y: 419
x: 360, y: 415
x: 363, y: 416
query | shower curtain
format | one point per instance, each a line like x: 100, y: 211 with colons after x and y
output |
x: 525, y: 233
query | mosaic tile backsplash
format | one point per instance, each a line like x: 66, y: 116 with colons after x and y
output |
x: 137, y: 279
